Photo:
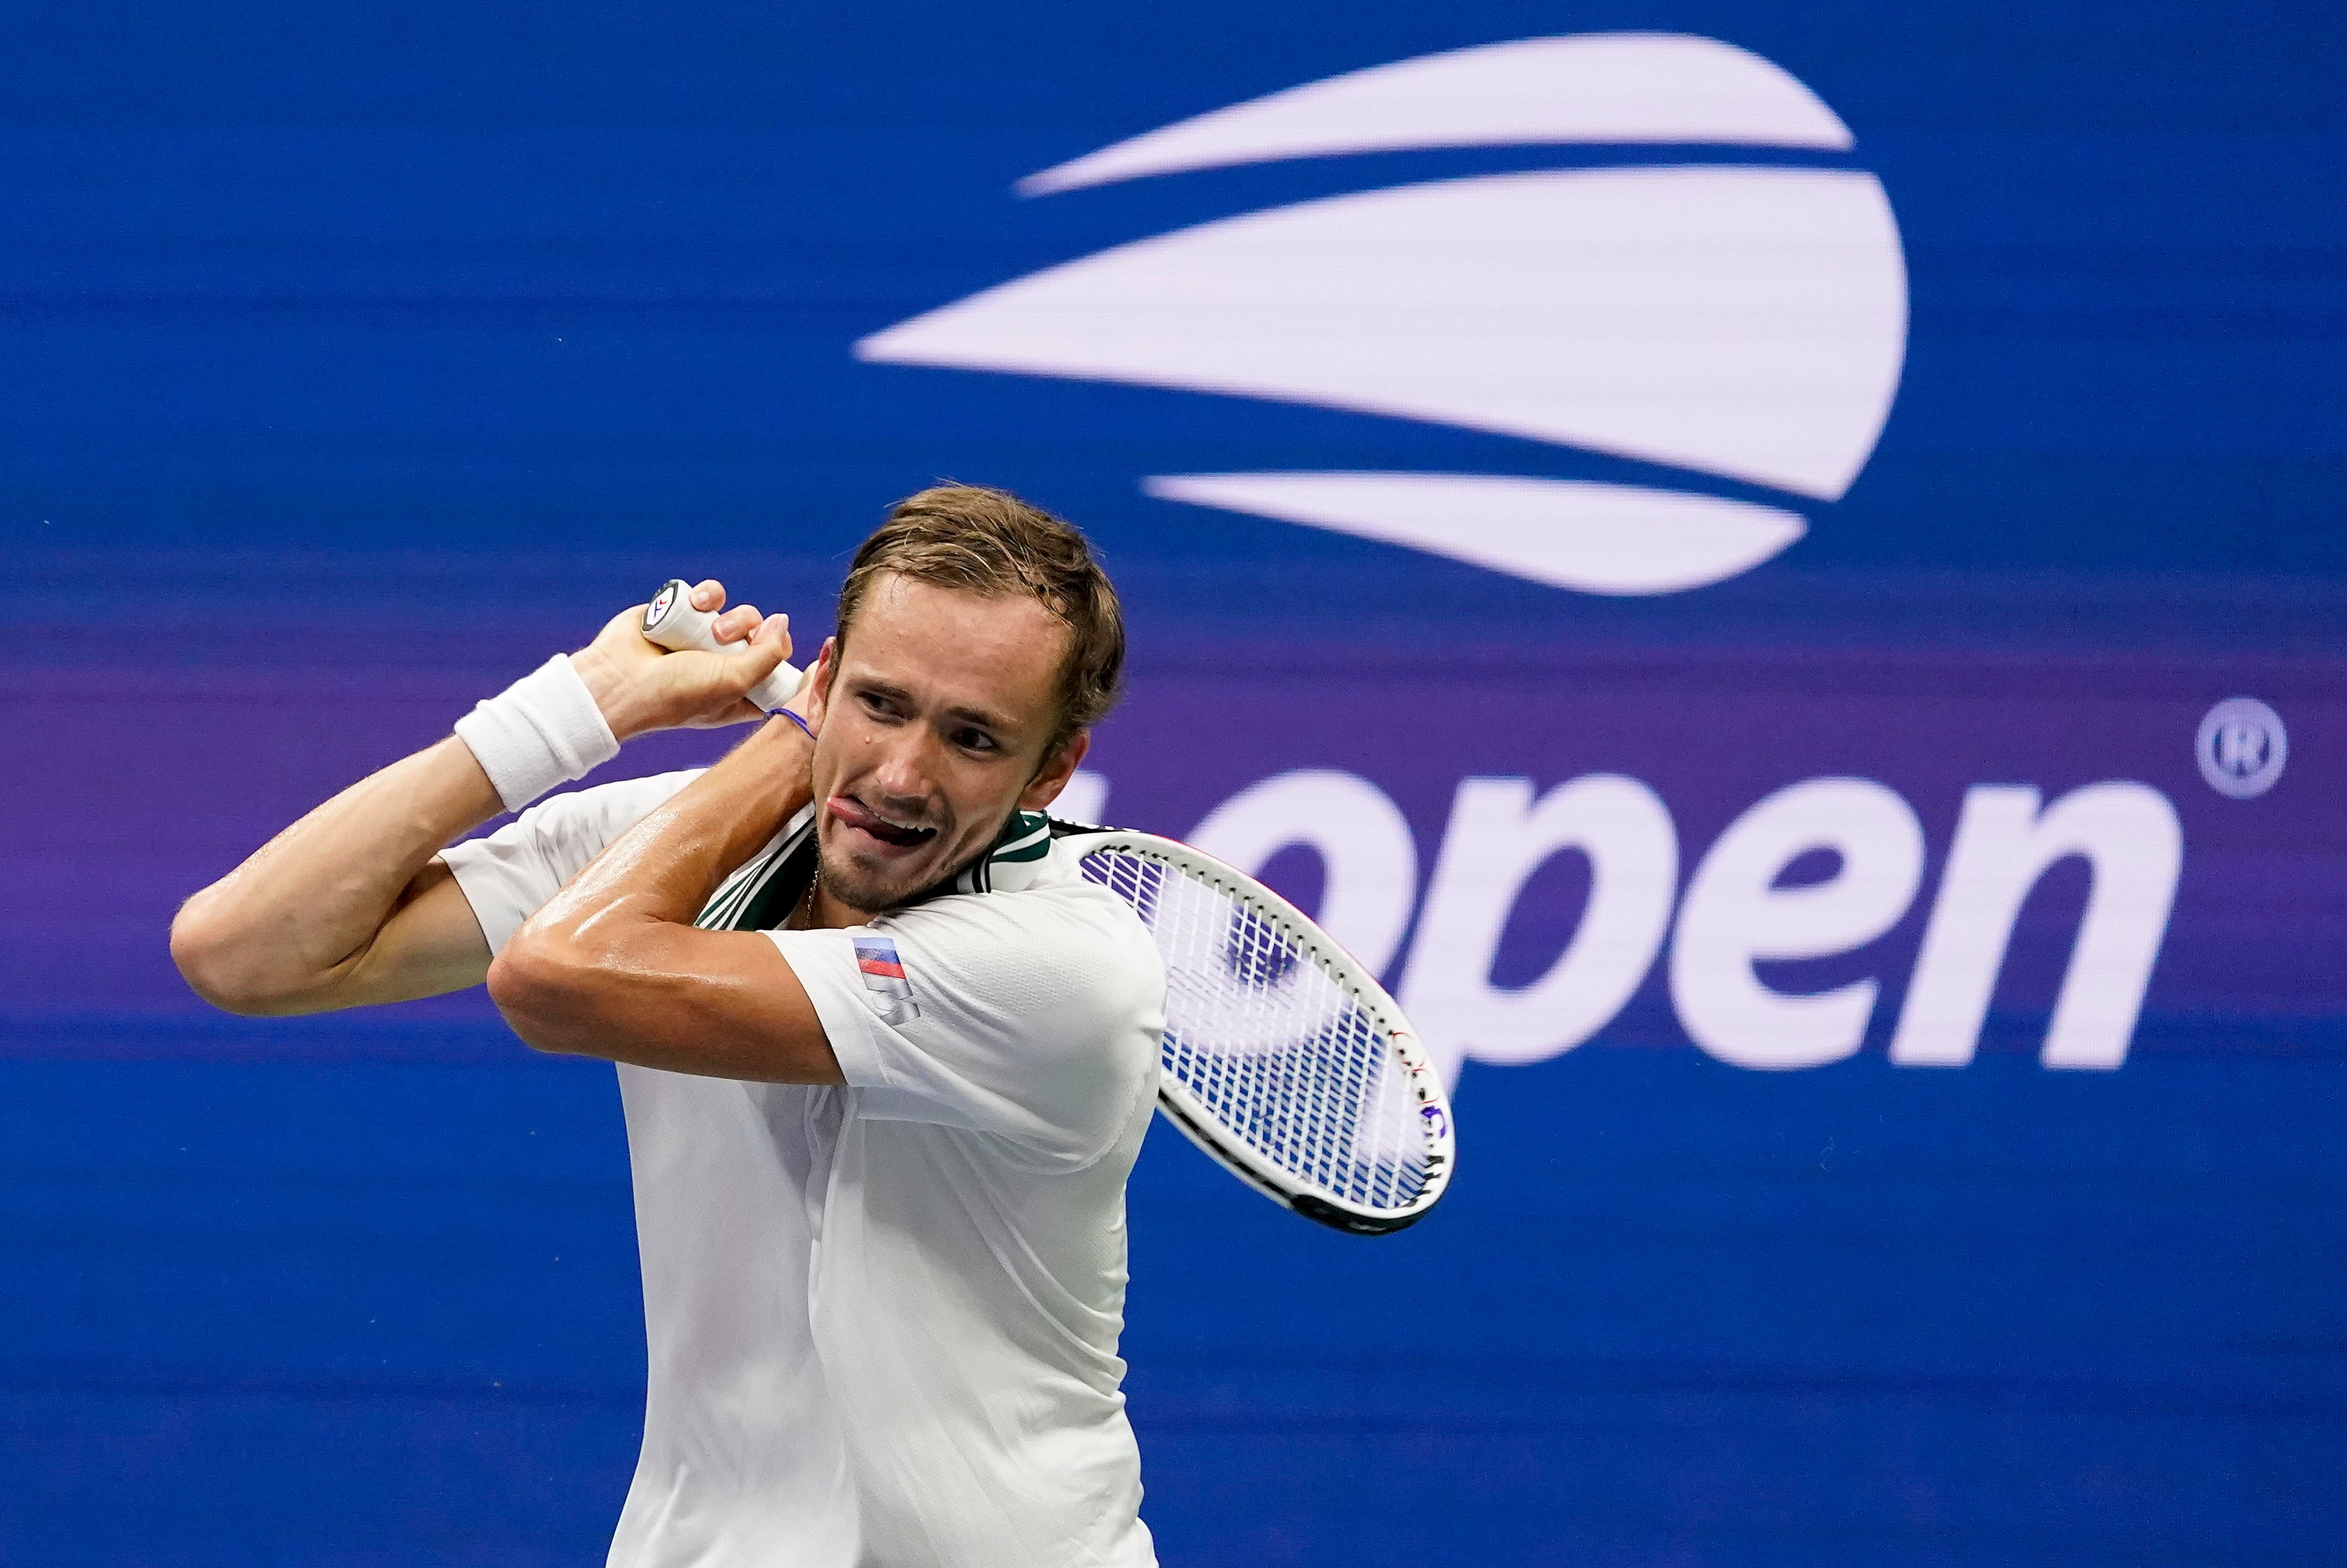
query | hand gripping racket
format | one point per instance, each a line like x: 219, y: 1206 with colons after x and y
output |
x: 1284, y: 1058
x: 671, y: 621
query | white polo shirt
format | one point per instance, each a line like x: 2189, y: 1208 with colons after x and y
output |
x: 883, y: 1319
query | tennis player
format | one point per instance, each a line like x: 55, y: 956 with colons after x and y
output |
x: 886, y: 1059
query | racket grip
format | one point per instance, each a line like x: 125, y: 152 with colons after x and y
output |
x: 671, y: 621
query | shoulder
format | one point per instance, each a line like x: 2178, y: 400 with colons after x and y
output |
x: 617, y: 807
x: 1062, y: 942
x: 572, y: 829
x: 1036, y: 1015
x: 560, y: 825
x: 508, y: 874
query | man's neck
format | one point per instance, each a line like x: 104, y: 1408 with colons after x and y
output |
x: 821, y: 910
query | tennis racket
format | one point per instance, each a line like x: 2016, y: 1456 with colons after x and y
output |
x: 671, y: 621
x: 1284, y: 1058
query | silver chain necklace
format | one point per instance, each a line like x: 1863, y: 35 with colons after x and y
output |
x: 806, y: 903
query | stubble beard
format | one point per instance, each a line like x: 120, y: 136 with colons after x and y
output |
x: 869, y: 894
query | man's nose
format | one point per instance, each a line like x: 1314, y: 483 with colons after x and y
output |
x: 904, y: 774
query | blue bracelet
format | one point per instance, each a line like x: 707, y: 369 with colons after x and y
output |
x: 794, y: 718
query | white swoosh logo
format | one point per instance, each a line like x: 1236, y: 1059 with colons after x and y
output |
x: 1597, y: 538
x: 1596, y: 88
x: 1748, y: 323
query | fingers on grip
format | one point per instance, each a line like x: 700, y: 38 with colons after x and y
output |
x: 737, y: 625
x: 699, y: 623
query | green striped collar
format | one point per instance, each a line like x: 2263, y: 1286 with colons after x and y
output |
x: 759, y: 895
x: 1018, y: 852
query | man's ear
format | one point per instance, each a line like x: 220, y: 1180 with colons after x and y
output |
x: 826, y: 664
x: 1057, y: 769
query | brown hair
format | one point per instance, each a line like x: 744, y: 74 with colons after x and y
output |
x: 989, y: 542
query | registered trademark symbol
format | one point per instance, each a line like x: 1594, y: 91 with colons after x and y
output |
x: 2241, y: 747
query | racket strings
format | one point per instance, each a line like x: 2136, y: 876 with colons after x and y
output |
x: 1271, y: 1045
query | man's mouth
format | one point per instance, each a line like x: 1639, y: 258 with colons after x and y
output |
x: 852, y: 813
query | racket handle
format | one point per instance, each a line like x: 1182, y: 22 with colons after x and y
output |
x: 671, y: 621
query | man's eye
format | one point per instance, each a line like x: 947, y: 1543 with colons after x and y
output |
x: 976, y: 740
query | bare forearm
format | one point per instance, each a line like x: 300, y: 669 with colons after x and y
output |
x: 613, y: 967
x: 662, y: 871
x: 347, y: 907
x: 293, y: 924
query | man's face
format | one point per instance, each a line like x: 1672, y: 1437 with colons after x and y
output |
x: 934, y: 718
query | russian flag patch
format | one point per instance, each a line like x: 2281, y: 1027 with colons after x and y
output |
x: 885, y: 985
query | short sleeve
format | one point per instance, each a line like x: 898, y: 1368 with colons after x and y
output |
x: 507, y: 876
x: 1033, y: 1016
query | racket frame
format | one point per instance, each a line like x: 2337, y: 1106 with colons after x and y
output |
x: 1226, y: 1148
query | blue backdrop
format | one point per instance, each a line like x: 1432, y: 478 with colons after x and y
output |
x: 360, y: 357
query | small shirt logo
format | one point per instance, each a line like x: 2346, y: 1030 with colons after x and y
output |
x: 885, y: 985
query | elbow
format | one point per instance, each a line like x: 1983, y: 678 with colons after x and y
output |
x: 217, y: 962
x: 541, y: 982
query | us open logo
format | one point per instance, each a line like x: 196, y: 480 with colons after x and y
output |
x: 1739, y: 324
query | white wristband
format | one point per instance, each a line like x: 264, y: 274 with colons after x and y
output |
x: 542, y: 731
